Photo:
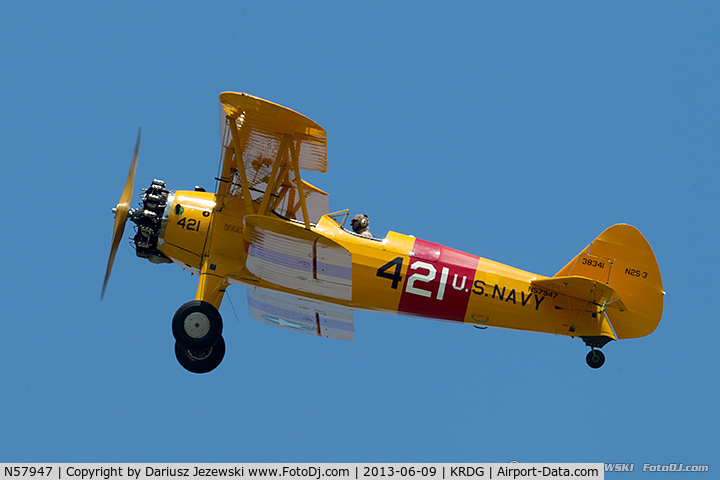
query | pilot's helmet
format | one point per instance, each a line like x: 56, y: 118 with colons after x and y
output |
x: 362, y: 221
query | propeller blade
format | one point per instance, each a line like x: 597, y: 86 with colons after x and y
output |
x: 121, y: 214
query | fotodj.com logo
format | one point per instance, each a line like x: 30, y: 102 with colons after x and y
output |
x: 650, y: 467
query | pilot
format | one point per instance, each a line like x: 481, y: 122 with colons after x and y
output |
x: 360, y: 224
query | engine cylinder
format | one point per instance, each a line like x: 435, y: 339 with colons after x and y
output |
x: 149, y: 222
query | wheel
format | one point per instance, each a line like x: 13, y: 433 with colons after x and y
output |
x: 203, y: 361
x: 197, y: 325
x: 595, y: 358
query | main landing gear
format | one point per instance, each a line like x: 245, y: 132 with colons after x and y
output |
x: 199, y: 345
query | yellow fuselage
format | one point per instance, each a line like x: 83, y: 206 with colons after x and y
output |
x: 396, y: 274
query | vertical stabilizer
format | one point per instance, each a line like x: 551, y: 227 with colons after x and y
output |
x: 622, y: 259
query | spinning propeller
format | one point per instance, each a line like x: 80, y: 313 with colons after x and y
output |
x: 121, y: 214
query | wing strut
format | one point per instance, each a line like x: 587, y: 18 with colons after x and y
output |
x: 298, y: 180
x: 274, y: 178
x: 240, y: 167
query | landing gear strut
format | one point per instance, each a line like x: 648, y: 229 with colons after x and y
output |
x: 197, y: 328
x: 595, y: 358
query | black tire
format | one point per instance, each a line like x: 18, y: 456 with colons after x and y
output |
x: 595, y: 358
x: 197, y: 325
x: 201, y: 361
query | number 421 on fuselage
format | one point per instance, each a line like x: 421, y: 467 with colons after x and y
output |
x: 267, y: 229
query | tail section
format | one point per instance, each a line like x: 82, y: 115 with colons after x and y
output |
x: 623, y: 260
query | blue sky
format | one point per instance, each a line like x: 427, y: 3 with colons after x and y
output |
x: 516, y: 131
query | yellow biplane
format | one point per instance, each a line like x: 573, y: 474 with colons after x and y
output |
x: 269, y: 230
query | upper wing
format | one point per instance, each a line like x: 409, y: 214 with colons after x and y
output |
x: 264, y: 147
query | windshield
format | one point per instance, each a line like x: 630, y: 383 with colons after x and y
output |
x: 340, y: 217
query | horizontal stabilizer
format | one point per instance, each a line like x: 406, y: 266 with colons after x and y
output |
x: 582, y: 288
x: 301, y: 314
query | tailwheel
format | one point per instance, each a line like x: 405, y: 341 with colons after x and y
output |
x: 595, y: 358
x: 197, y: 326
x: 202, y: 361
